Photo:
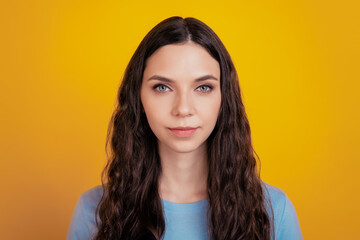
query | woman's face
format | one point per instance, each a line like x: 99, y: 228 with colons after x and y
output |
x: 181, y: 88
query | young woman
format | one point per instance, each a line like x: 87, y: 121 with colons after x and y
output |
x: 182, y: 164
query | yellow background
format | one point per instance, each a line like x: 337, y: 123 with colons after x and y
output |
x: 61, y: 65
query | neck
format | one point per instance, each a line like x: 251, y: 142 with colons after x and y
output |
x: 183, y: 177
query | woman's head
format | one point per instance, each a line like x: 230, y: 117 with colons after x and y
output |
x: 182, y: 49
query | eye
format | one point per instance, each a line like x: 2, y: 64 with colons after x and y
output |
x: 205, y: 88
x: 160, y: 87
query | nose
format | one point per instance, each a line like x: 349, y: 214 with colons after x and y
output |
x: 183, y: 105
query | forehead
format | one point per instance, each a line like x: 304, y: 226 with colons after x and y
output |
x: 181, y: 60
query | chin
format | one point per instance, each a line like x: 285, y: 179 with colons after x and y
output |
x: 184, y: 147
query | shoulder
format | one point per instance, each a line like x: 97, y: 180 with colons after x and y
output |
x: 88, y: 201
x: 285, y: 218
x: 276, y: 196
x: 92, y: 197
x: 83, y: 222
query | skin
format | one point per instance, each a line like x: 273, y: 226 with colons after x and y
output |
x: 179, y: 103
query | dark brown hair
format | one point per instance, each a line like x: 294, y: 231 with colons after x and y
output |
x: 131, y: 207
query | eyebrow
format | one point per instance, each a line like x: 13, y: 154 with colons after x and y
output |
x: 164, y: 79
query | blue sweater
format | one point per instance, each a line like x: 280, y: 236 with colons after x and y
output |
x: 185, y: 221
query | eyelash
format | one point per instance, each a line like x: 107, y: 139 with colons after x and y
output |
x: 205, y: 85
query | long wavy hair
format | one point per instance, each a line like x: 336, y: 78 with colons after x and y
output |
x: 130, y: 207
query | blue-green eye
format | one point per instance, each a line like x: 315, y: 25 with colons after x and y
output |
x: 205, y: 88
x: 163, y: 88
x: 160, y: 87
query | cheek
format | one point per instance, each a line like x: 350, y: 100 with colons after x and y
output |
x: 155, y: 114
x: 148, y: 104
x: 150, y: 111
x: 154, y: 107
x: 210, y: 109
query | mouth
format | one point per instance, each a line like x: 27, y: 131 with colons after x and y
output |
x: 183, y: 131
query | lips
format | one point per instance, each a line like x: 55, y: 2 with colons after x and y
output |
x: 183, y: 131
